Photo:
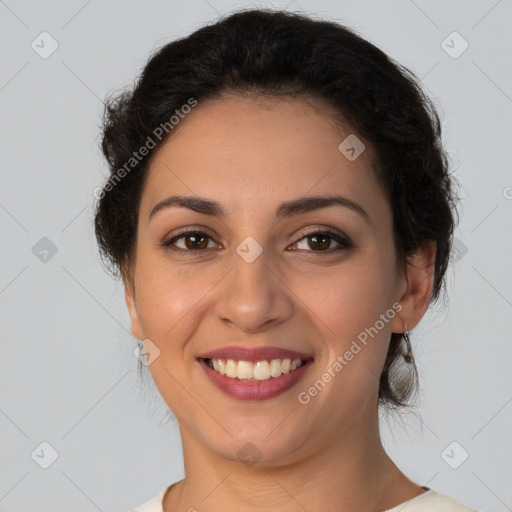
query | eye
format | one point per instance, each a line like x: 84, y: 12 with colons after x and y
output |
x: 194, y: 241
x: 321, y: 241
x: 191, y: 241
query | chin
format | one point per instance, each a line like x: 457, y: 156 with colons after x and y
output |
x: 263, y: 447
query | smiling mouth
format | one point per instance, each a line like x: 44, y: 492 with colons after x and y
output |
x: 257, y: 371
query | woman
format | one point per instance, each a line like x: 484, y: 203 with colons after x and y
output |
x: 280, y: 211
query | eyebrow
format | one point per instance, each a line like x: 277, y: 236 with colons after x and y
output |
x: 286, y: 209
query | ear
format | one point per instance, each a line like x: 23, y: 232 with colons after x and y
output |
x: 415, y: 287
x: 131, y: 304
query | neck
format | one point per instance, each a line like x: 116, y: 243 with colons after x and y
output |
x: 351, y: 473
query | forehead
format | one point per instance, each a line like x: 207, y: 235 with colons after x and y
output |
x: 247, y: 153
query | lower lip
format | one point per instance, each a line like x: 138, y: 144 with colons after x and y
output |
x: 255, y: 389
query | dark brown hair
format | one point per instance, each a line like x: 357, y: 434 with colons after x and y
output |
x: 276, y: 53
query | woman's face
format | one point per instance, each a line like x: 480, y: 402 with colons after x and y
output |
x: 256, y: 277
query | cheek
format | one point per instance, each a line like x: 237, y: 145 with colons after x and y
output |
x: 170, y: 299
x: 346, y: 306
x: 347, y: 299
x: 164, y: 292
x: 169, y: 302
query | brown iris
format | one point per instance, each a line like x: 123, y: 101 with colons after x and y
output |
x: 319, y: 241
x: 196, y: 242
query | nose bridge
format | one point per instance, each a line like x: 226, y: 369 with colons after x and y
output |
x: 251, y: 268
x: 252, y: 296
x: 251, y: 285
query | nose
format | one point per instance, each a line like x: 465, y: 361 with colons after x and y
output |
x: 253, y: 297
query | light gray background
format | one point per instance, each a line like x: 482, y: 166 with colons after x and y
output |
x: 67, y: 371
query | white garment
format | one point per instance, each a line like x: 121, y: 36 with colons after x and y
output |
x: 429, y: 501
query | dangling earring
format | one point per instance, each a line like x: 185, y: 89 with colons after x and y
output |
x: 408, y: 356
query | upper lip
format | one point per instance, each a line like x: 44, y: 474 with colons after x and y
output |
x: 253, y: 354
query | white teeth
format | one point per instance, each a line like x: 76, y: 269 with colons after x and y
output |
x: 261, y: 370
x: 275, y: 367
x: 231, y: 368
x: 222, y: 366
x: 244, y: 370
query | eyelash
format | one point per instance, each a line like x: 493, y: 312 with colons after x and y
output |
x: 345, y: 243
